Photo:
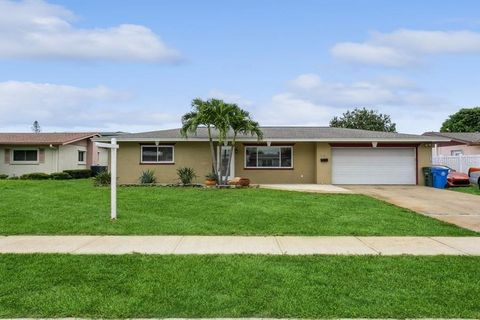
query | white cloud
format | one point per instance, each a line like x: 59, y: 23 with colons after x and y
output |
x: 306, y: 81
x: 405, y: 47
x: 366, y: 53
x: 309, y: 100
x: 287, y: 109
x: 229, y: 98
x: 386, y: 90
x: 70, y: 107
x: 37, y: 29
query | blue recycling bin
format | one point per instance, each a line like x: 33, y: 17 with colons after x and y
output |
x: 439, y: 177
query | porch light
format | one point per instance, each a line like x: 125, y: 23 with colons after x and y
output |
x: 374, y: 144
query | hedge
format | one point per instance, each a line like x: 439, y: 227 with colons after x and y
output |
x: 60, y: 176
x: 35, y: 176
x: 79, y: 174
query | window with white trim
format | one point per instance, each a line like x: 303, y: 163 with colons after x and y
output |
x: 456, y: 152
x: 157, y: 154
x: 269, y: 157
x: 81, y: 156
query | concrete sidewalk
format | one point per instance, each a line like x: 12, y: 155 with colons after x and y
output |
x: 281, y: 245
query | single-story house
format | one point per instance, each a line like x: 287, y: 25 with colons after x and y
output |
x: 462, y: 143
x: 22, y: 153
x: 321, y: 155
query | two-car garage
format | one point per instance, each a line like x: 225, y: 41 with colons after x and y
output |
x: 387, y: 165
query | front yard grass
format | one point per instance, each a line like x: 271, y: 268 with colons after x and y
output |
x: 138, y: 286
x: 76, y: 207
x: 471, y: 189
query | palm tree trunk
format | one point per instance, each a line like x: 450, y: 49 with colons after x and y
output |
x: 212, y: 150
x: 232, y: 150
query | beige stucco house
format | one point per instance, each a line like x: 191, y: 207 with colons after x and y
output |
x: 22, y: 153
x: 320, y: 155
x: 462, y: 143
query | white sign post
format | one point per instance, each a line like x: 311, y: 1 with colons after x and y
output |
x: 113, y: 146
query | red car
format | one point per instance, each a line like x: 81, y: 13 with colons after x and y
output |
x: 456, y: 179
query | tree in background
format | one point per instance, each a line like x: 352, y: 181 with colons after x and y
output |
x: 465, y: 120
x: 364, y: 119
x: 36, y: 127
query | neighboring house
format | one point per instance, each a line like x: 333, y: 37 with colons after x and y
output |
x: 22, y: 153
x: 462, y: 143
x: 321, y: 155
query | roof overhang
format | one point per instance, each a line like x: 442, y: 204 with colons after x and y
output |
x: 80, y: 138
x: 3, y: 143
x: 391, y: 140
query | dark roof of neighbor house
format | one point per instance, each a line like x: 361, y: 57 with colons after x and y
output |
x: 285, y: 133
x: 465, y: 137
x: 55, y: 138
x: 111, y: 133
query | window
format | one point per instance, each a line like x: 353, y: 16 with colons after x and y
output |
x: 157, y: 154
x: 269, y: 157
x: 25, y: 156
x: 81, y: 156
x: 456, y: 152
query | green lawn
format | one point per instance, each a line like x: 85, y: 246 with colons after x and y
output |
x: 239, y: 286
x: 471, y: 189
x: 76, y: 207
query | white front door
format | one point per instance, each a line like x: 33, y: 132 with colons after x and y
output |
x: 373, y: 166
x: 223, y: 154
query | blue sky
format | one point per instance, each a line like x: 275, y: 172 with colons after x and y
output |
x: 136, y: 65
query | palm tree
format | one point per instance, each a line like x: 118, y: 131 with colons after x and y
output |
x: 201, y: 115
x: 241, y: 123
x: 224, y: 118
x: 221, y: 114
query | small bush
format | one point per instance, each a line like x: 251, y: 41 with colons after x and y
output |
x: 186, y: 175
x: 102, y: 179
x: 79, y: 173
x: 3, y: 176
x: 148, y: 177
x: 211, y: 176
x: 35, y: 176
x: 60, y: 176
x: 13, y: 178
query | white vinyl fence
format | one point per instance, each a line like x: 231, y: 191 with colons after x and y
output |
x: 459, y: 163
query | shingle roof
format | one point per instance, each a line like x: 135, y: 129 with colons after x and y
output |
x: 57, y: 138
x: 467, y: 137
x: 284, y: 134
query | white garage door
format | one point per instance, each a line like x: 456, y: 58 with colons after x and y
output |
x: 373, y: 166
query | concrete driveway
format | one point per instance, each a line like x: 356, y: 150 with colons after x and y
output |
x: 454, y: 207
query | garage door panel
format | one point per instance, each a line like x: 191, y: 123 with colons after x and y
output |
x: 373, y: 166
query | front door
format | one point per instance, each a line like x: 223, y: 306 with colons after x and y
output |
x: 223, y: 154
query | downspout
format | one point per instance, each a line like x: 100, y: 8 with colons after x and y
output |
x: 58, y: 159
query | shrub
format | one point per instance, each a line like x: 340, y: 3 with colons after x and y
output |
x: 102, y: 179
x: 148, y: 177
x: 212, y: 176
x: 186, y: 175
x: 60, y: 176
x: 79, y: 173
x: 35, y: 176
x: 13, y: 178
x: 3, y: 176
